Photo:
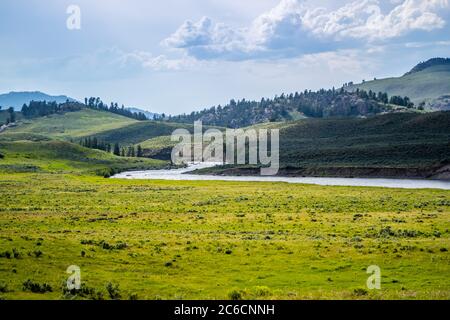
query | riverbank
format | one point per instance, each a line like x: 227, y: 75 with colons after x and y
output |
x: 187, y: 174
x: 441, y: 172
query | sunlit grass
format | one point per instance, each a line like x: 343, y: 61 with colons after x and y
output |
x: 206, y: 240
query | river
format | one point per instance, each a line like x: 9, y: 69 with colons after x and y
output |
x: 183, y: 174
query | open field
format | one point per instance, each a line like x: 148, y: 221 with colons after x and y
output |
x: 220, y: 240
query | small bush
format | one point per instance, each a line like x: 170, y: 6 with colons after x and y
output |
x: 83, y: 292
x: 36, y: 287
x: 6, y: 254
x: 3, y: 287
x: 360, y: 292
x: 235, y: 295
x: 262, y: 291
x: 37, y: 253
x: 16, y: 253
x: 113, y: 291
x: 133, y: 296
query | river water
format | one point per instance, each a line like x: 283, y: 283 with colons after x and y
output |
x: 183, y: 174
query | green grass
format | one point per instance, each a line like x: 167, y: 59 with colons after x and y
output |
x: 63, y: 157
x: 205, y: 240
x: 138, y: 132
x: 73, y: 124
x: 426, y: 85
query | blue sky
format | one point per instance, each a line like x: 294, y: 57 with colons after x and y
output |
x: 176, y: 56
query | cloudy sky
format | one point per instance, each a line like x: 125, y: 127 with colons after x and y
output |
x: 176, y: 56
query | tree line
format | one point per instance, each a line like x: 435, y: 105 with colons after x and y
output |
x: 11, y: 118
x: 43, y: 108
x: 316, y: 104
x: 97, y: 104
x: 116, y: 148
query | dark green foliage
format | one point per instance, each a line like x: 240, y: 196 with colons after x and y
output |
x: 139, y: 152
x: 235, y: 295
x: 44, y: 108
x: 3, y: 287
x: 404, y: 102
x: 97, y: 104
x: 83, y: 292
x: 113, y: 291
x: 12, y: 115
x: 116, y: 149
x: 36, y: 287
x: 94, y: 143
x: 105, y: 245
x: 320, y: 104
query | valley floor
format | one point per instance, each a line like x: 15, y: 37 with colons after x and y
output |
x: 219, y: 240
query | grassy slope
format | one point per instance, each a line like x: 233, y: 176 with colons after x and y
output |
x: 401, y: 139
x: 53, y: 156
x: 202, y: 240
x: 425, y: 85
x: 140, y: 131
x: 74, y: 124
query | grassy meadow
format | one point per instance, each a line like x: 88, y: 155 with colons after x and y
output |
x: 219, y: 240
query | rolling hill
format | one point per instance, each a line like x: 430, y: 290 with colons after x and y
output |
x: 17, y: 99
x: 31, y: 153
x: 427, y: 82
x: 137, y: 132
x: 73, y: 124
x: 389, y: 145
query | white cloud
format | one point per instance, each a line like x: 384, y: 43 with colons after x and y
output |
x: 292, y: 27
x: 161, y: 62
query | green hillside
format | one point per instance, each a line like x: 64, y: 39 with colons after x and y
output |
x: 430, y: 85
x: 137, y: 132
x: 396, y: 144
x: 73, y: 124
x: 386, y: 140
x: 61, y: 156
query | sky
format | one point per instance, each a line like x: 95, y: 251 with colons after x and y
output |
x: 176, y: 56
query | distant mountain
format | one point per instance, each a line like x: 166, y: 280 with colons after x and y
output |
x: 428, y: 82
x: 17, y: 99
x: 148, y: 114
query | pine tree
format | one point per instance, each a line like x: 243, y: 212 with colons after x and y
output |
x: 139, y: 151
x: 116, y: 149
